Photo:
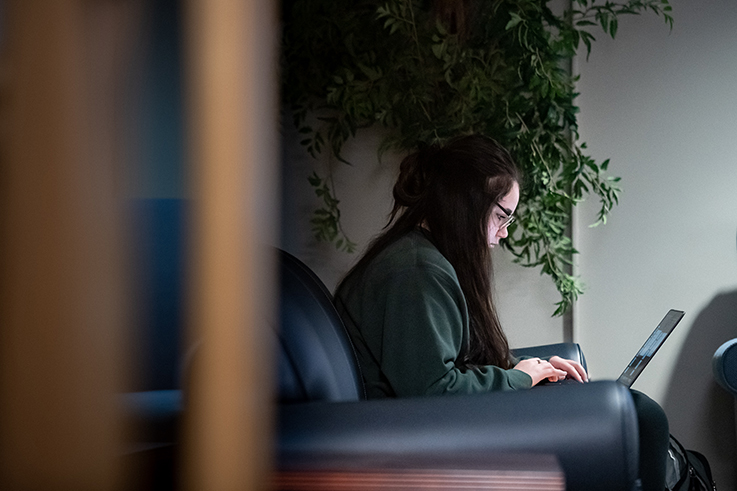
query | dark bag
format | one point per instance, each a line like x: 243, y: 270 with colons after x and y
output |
x: 687, y: 470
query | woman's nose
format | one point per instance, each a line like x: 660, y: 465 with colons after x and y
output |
x: 502, y: 233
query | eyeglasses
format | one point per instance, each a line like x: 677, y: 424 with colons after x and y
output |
x: 506, y: 219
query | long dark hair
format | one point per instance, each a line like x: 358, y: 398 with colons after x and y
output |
x: 451, y: 190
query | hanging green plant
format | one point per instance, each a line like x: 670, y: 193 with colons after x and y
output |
x: 427, y: 71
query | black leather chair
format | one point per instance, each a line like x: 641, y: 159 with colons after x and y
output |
x: 724, y: 366
x: 591, y: 428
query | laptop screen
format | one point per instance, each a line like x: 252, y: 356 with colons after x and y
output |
x: 651, y: 346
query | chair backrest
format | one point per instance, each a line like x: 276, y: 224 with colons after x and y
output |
x: 724, y: 366
x: 315, y: 356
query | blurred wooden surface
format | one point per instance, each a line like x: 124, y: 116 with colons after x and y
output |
x: 497, y: 473
x: 231, y: 119
x: 62, y: 259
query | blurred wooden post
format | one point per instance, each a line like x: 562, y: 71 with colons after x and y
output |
x: 62, y: 302
x: 232, y: 111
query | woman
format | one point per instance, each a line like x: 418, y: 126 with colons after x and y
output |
x: 421, y: 295
x: 418, y: 305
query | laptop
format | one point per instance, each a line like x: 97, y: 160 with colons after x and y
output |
x: 651, y: 346
x: 646, y: 353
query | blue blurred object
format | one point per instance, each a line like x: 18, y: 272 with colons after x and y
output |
x: 153, y: 404
x: 158, y: 258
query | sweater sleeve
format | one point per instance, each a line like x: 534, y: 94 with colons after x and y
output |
x: 425, y: 317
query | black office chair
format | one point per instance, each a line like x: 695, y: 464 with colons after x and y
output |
x: 591, y: 428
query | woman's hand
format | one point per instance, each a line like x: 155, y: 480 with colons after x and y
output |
x: 573, y: 369
x: 539, y: 370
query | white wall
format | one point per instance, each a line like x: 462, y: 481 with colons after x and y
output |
x: 663, y: 107
x: 364, y: 191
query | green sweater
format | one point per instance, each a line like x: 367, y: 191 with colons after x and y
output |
x: 407, y: 317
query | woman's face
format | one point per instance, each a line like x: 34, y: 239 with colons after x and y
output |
x: 502, y: 215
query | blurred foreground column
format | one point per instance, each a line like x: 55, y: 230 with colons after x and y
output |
x: 231, y: 118
x: 62, y: 302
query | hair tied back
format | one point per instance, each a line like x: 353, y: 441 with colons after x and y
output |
x: 415, y: 173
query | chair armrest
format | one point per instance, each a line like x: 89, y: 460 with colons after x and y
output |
x: 724, y: 366
x: 569, y: 351
x: 591, y: 428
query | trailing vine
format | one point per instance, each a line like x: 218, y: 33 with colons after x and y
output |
x: 427, y: 71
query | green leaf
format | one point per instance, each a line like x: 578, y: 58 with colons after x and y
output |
x: 314, y: 180
x: 613, y: 26
x: 516, y: 19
